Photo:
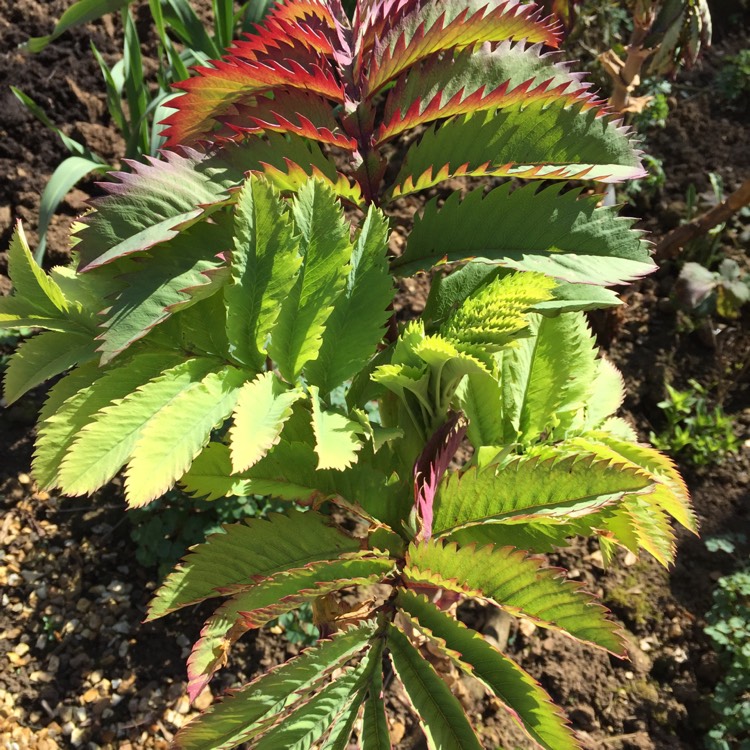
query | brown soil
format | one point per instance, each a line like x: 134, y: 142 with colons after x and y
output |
x: 76, y: 666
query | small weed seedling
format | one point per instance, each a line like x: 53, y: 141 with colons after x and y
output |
x: 695, y: 432
x: 227, y: 327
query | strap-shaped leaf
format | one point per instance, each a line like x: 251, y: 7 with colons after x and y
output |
x: 440, y: 715
x: 547, y: 377
x: 174, y: 276
x: 270, y: 598
x: 518, y: 584
x: 297, y: 336
x: 538, y: 141
x: 264, y: 266
x: 357, y: 323
x: 35, y: 291
x: 105, y: 441
x: 156, y: 464
x: 530, y: 488
x: 555, y: 233
x: 74, y: 401
x: 147, y: 206
x: 428, y: 28
x: 258, y: 547
x: 41, y: 358
x: 476, y: 80
x: 263, y: 406
x: 252, y: 709
x: 528, y: 703
x: 336, y: 436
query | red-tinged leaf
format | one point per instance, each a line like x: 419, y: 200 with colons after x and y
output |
x: 304, y: 10
x: 290, y: 111
x: 212, y: 93
x: 432, y: 464
x: 147, y: 206
x: 281, y: 40
x: 478, y: 80
x: 444, y: 25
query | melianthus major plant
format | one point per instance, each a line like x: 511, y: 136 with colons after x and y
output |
x: 227, y: 329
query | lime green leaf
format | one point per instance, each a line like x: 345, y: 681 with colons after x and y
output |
x: 77, y: 398
x: 518, y: 584
x: 559, y: 234
x: 263, y: 407
x: 440, y: 714
x: 606, y: 395
x: 258, y: 547
x: 336, y: 441
x: 264, y: 266
x: 104, y: 443
x: 527, y: 702
x: 547, y: 377
x: 357, y: 323
x: 41, y: 358
x: 30, y: 282
x: 210, y: 475
x: 253, y: 708
x: 529, y: 488
x: 297, y: 336
x: 190, y: 415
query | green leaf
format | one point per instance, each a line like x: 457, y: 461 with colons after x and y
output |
x: 79, y: 13
x: 67, y: 174
x: 74, y: 401
x: 264, y: 266
x: 441, y: 716
x: 258, y: 547
x: 210, y: 475
x: 250, y: 710
x: 375, y: 734
x: 306, y: 724
x: 357, y: 324
x: 256, y: 605
x: 189, y: 417
x: 31, y: 284
x: 548, y: 231
x: 104, y: 442
x: 547, y: 377
x: 536, y: 141
x: 297, y: 336
x: 524, y: 698
x: 557, y: 487
x: 41, y: 358
x: 517, y: 583
x: 151, y: 205
x: 263, y: 406
x: 336, y: 441
x: 170, y: 278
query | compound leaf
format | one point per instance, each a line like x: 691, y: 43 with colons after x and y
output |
x: 518, y: 584
x: 250, y: 710
x: 527, y: 701
x: 258, y: 547
x: 263, y: 406
x: 41, y: 358
x: 441, y: 716
x: 559, y: 234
